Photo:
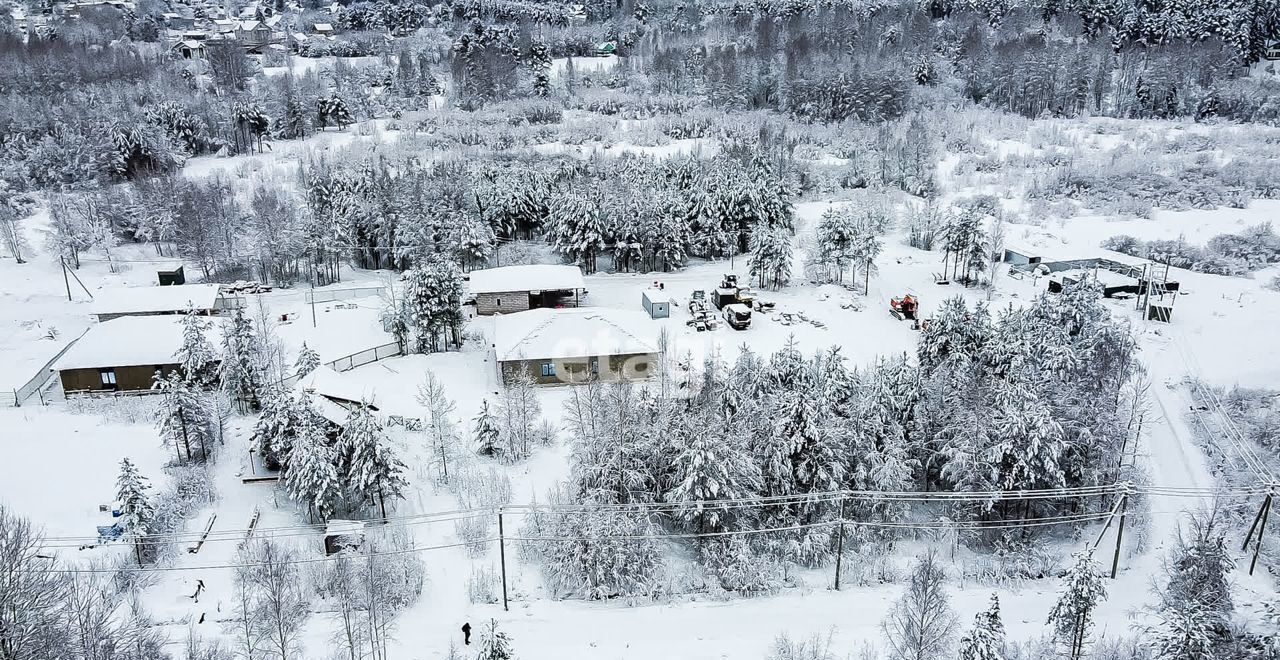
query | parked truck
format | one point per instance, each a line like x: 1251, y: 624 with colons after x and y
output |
x: 737, y: 315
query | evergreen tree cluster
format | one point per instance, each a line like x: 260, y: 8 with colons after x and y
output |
x: 1025, y: 399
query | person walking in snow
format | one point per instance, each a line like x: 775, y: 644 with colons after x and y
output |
x: 466, y: 633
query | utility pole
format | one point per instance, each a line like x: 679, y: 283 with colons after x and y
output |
x: 314, y: 275
x: 1115, y: 559
x: 65, y: 280
x: 840, y: 545
x: 502, y: 558
x: 1261, y: 523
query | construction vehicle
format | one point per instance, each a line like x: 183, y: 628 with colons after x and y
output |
x: 737, y: 315
x: 905, y: 308
x: 729, y: 293
x: 701, y: 316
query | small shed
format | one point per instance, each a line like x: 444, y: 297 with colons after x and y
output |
x: 171, y: 275
x: 1272, y: 50
x: 607, y: 48
x: 1020, y: 255
x: 657, y: 309
x: 342, y: 535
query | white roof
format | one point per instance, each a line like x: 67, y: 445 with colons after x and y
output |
x: 131, y: 341
x: 326, y: 382
x: 151, y: 299
x: 324, y: 27
x: 577, y: 332
x: 526, y: 278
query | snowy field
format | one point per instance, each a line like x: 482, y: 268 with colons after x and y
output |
x: 58, y: 462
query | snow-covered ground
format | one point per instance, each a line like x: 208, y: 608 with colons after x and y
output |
x: 58, y: 463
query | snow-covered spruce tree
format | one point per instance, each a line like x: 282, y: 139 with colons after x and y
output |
x: 834, y: 239
x: 1072, y: 615
x: 985, y: 641
x: 488, y: 435
x: 333, y: 110
x: 239, y: 370
x: 610, y: 450
x: 372, y: 471
x: 598, y: 554
x: 771, y: 254
x: 864, y: 250
x: 494, y: 644
x: 136, y: 512
x: 307, y: 362
x: 195, y: 356
x: 578, y: 227
x: 276, y: 427
x: 710, y: 467
x: 182, y: 418
x: 311, y: 476
x: 475, y: 242
x: 921, y: 624
x: 1195, y: 608
x: 431, y: 304
x: 442, y: 430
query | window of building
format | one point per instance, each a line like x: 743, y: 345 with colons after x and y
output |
x: 595, y: 366
x: 548, y: 369
x: 108, y: 377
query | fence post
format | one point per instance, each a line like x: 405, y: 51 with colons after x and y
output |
x: 840, y: 545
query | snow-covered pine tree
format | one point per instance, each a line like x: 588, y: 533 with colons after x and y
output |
x: 276, y: 427
x: 431, y: 304
x: 578, y: 226
x: 865, y: 249
x: 1031, y: 443
x: 195, y: 356
x: 494, y: 644
x: 136, y: 512
x: 710, y: 467
x: 311, y: 476
x: 487, y: 433
x: 239, y: 370
x: 307, y: 362
x: 771, y: 255
x: 372, y: 471
x: 182, y: 418
x: 985, y: 641
x: 1072, y: 615
x: 834, y: 238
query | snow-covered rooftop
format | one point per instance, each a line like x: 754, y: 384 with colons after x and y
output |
x: 326, y: 382
x: 131, y: 341
x: 538, y: 277
x: 576, y: 332
x: 153, y: 299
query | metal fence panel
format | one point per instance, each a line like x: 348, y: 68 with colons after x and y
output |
x: 40, y: 379
x: 331, y: 295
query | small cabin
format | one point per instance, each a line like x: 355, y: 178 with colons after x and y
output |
x: 656, y: 307
x: 518, y: 288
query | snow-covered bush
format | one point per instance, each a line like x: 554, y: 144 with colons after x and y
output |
x: 597, y: 554
x: 474, y: 532
x: 1125, y: 244
x: 483, y: 586
x: 190, y: 489
x: 813, y: 648
x: 739, y: 569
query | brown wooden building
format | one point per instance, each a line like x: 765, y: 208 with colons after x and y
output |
x: 124, y: 354
x: 572, y: 346
x: 519, y: 288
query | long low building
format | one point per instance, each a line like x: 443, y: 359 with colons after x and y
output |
x: 124, y: 354
x: 156, y: 300
x: 573, y: 345
x: 519, y: 288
